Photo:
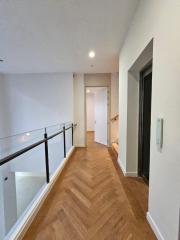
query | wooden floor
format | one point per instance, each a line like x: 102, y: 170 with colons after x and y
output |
x: 92, y: 200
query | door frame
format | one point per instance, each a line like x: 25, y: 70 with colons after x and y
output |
x: 144, y: 72
x: 108, y: 112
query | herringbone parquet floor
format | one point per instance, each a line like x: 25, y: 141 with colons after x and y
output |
x: 89, y: 202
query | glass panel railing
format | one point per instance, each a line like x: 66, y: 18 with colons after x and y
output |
x: 55, y: 148
x: 24, y: 170
x: 68, y: 136
x: 15, y: 143
x: 21, y: 180
x: 54, y: 129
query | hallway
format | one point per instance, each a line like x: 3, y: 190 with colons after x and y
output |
x: 92, y: 200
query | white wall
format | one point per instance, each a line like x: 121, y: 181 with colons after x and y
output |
x: 2, y: 207
x: 9, y: 196
x: 79, y: 110
x: 114, y: 105
x: 158, y: 20
x: 97, y: 80
x: 90, y: 111
x: 132, y: 125
x: 35, y: 100
x: 4, y: 119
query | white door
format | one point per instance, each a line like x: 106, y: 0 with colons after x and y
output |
x: 101, y: 115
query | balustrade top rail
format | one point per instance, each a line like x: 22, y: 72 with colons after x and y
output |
x: 34, y: 145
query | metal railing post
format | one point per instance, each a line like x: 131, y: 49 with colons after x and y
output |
x: 46, y: 156
x: 72, y: 134
x: 64, y: 138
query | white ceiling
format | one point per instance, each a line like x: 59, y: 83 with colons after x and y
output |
x: 56, y: 35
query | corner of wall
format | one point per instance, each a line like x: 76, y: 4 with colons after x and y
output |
x: 124, y: 170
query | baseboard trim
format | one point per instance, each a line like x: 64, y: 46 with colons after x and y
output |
x: 80, y: 146
x: 154, y: 226
x: 127, y: 174
x: 131, y: 174
x: 122, y: 167
x: 20, y: 228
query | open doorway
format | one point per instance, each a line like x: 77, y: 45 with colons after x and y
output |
x: 97, y: 114
x: 145, y: 89
x: 139, y: 115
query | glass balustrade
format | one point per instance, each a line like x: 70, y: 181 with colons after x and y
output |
x: 23, y: 178
x: 56, y: 148
x: 68, y: 136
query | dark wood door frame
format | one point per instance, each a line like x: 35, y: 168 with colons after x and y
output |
x: 144, y: 72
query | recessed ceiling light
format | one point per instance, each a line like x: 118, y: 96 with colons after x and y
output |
x: 88, y: 91
x: 28, y: 134
x: 92, y: 54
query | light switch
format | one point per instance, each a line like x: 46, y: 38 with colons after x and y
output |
x: 159, y: 133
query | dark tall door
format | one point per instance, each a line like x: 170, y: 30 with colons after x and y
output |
x: 145, y: 122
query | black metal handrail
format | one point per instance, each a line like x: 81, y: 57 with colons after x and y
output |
x: 34, y: 145
x: 20, y: 152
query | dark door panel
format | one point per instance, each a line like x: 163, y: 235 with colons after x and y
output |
x: 145, y: 122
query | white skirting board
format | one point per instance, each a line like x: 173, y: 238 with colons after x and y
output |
x: 148, y: 216
x: 80, y: 146
x: 131, y: 174
x: 154, y: 227
x: 20, y: 228
x: 127, y: 174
